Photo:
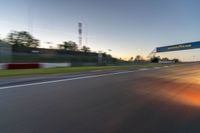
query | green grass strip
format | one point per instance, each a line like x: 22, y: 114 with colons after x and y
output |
x: 24, y: 72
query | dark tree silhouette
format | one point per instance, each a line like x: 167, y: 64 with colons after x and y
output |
x: 85, y: 49
x: 165, y: 58
x: 155, y: 59
x: 139, y: 58
x: 131, y: 59
x: 70, y: 46
x: 176, y: 60
x: 22, y: 39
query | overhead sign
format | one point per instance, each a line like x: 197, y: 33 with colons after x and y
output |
x: 177, y: 47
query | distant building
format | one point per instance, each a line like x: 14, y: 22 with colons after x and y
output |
x: 166, y: 61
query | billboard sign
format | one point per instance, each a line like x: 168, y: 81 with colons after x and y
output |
x: 177, y: 47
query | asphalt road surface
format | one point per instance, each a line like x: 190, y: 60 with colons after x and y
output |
x: 162, y: 100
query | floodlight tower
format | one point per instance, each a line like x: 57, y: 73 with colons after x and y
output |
x: 80, y: 32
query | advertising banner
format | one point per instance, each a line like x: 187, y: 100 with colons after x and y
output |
x: 177, y: 47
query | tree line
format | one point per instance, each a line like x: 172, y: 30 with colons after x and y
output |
x: 154, y: 59
x: 25, y: 39
x: 72, y: 46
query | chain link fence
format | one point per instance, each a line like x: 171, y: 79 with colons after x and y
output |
x: 5, y: 53
x: 76, y: 58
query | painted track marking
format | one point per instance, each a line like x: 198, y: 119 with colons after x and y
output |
x: 76, y: 78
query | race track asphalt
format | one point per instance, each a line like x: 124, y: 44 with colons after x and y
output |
x: 161, y: 100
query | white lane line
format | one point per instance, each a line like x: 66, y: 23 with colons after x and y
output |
x: 97, y: 71
x: 62, y: 80
x: 144, y: 69
x: 157, y: 67
x: 166, y: 66
x: 77, y: 78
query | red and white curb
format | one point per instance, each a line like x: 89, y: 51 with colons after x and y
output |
x: 7, y: 66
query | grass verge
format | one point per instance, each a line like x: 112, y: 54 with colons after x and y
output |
x: 24, y: 72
